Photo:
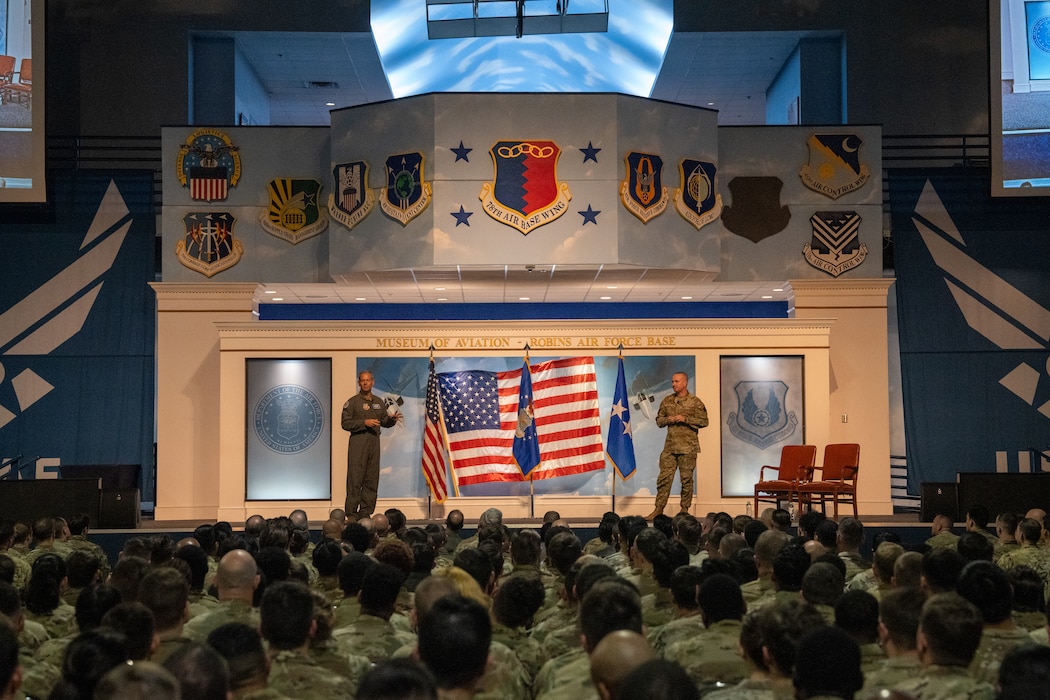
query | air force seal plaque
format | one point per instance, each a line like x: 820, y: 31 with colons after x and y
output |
x: 294, y: 213
x: 406, y: 194
x: 209, y: 164
x: 696, y: 200
x: 208, y: 246
x: 288, y: 419
x: 525, y: 192
x: 642, y: 191
x: 835, y: 246
x: 761, y: 418
x: 834, y: 166
x: 353, y: 199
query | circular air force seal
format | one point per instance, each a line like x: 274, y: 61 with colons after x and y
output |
x: 288, y: 419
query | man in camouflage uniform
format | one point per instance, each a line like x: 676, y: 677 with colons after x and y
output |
x: 687, y: 621
x: 611, y: 604
x: 615, y: 657
x: 236, y: 580
x: 503, y: 679
x: 1006, y: 534
x: 243, y: 650
x: 899, y: 611
x: 371, y: 635
x: 513, y: 607
x: 47, y: 533
x: 454, y: 641
x: 78, y: 541
x: 712, y: 657
x: 286, y: 615
x: 1030, y: 554
x: 683, y: 414
x: 988, y: 587
x: 769, y: 640
x: 942, y: 535
x: 949, y: 634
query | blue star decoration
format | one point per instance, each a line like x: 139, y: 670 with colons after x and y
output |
x: 589, y: 215
x: 461, y: 152
x: 462, y: 216
x: 589, y: 153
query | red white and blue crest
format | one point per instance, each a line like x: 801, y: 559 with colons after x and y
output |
x: 762, y: 418
x: 525, y: 192
x: 834, y: 166
x: 696, y: 200
x: 835, y: 246
x: 352, y: 199
x: 209, y: 246
x: 407, y: 193
x: 643, y: 191
x: 208, y: 164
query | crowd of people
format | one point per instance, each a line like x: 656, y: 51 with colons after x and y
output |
x: 719, y: 607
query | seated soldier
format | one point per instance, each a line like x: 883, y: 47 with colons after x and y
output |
x: 948, y: 637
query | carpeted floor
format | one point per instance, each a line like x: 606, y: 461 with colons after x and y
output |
x: 1026, y: 110
x: 15, y: 115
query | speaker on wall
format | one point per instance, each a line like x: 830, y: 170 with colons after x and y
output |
x: 939, y: 498
x: 119, y: 509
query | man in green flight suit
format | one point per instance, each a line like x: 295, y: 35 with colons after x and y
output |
x: 683, y: 414
x: 364, y: 415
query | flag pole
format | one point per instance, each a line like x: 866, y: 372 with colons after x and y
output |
x: 430, y: 491
x: 532, y: 484
x: 613, y: 508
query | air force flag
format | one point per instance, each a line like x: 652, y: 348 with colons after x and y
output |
x: 620, y: 447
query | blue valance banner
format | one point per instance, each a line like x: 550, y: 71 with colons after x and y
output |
x: 77, y: 329
x: 973, y: 294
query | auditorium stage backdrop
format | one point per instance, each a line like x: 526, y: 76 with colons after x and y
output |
x: 973, y: 286
x: 77, y: 329
x: 405, y: 379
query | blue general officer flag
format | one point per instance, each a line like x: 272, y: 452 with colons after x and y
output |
x: 526, y: 443
x: 620, y: 447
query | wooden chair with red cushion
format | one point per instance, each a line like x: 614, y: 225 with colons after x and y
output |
x: 838, y: 478
x: 794, y: 459
x: 22, y: 89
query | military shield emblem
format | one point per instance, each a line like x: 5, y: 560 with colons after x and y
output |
x: 525, y: 192
x: 294, y: 213
x: 835, y: 246
x: 353, y: 199
x: 834, y: 166
x: 406, y: 194
x: 642, y: 191
x: 762, y: 418
x: 756, y: 211
x: 209, y: 246
x: 696, y: 200
x: 209, y: 164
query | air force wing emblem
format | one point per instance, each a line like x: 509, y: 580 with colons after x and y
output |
x: 525, y: 192
x: 209, y: 246
x: 762, y: 418
x: 696, y: 200
x: 353, y: 199
x: 406, y: 194
x: 642, y: 191
x: 209, y: 164
x: 834, y: 166
x: 294, y: 213
x: 835, y: 246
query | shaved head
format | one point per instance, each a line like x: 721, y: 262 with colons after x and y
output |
x: 615, y: 656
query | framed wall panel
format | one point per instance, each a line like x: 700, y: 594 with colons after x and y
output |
x: 289, y: 429
x: 763, y: 408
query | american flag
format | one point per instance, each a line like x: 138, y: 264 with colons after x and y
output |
x: 433, y: 442
x: 481, y: 409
